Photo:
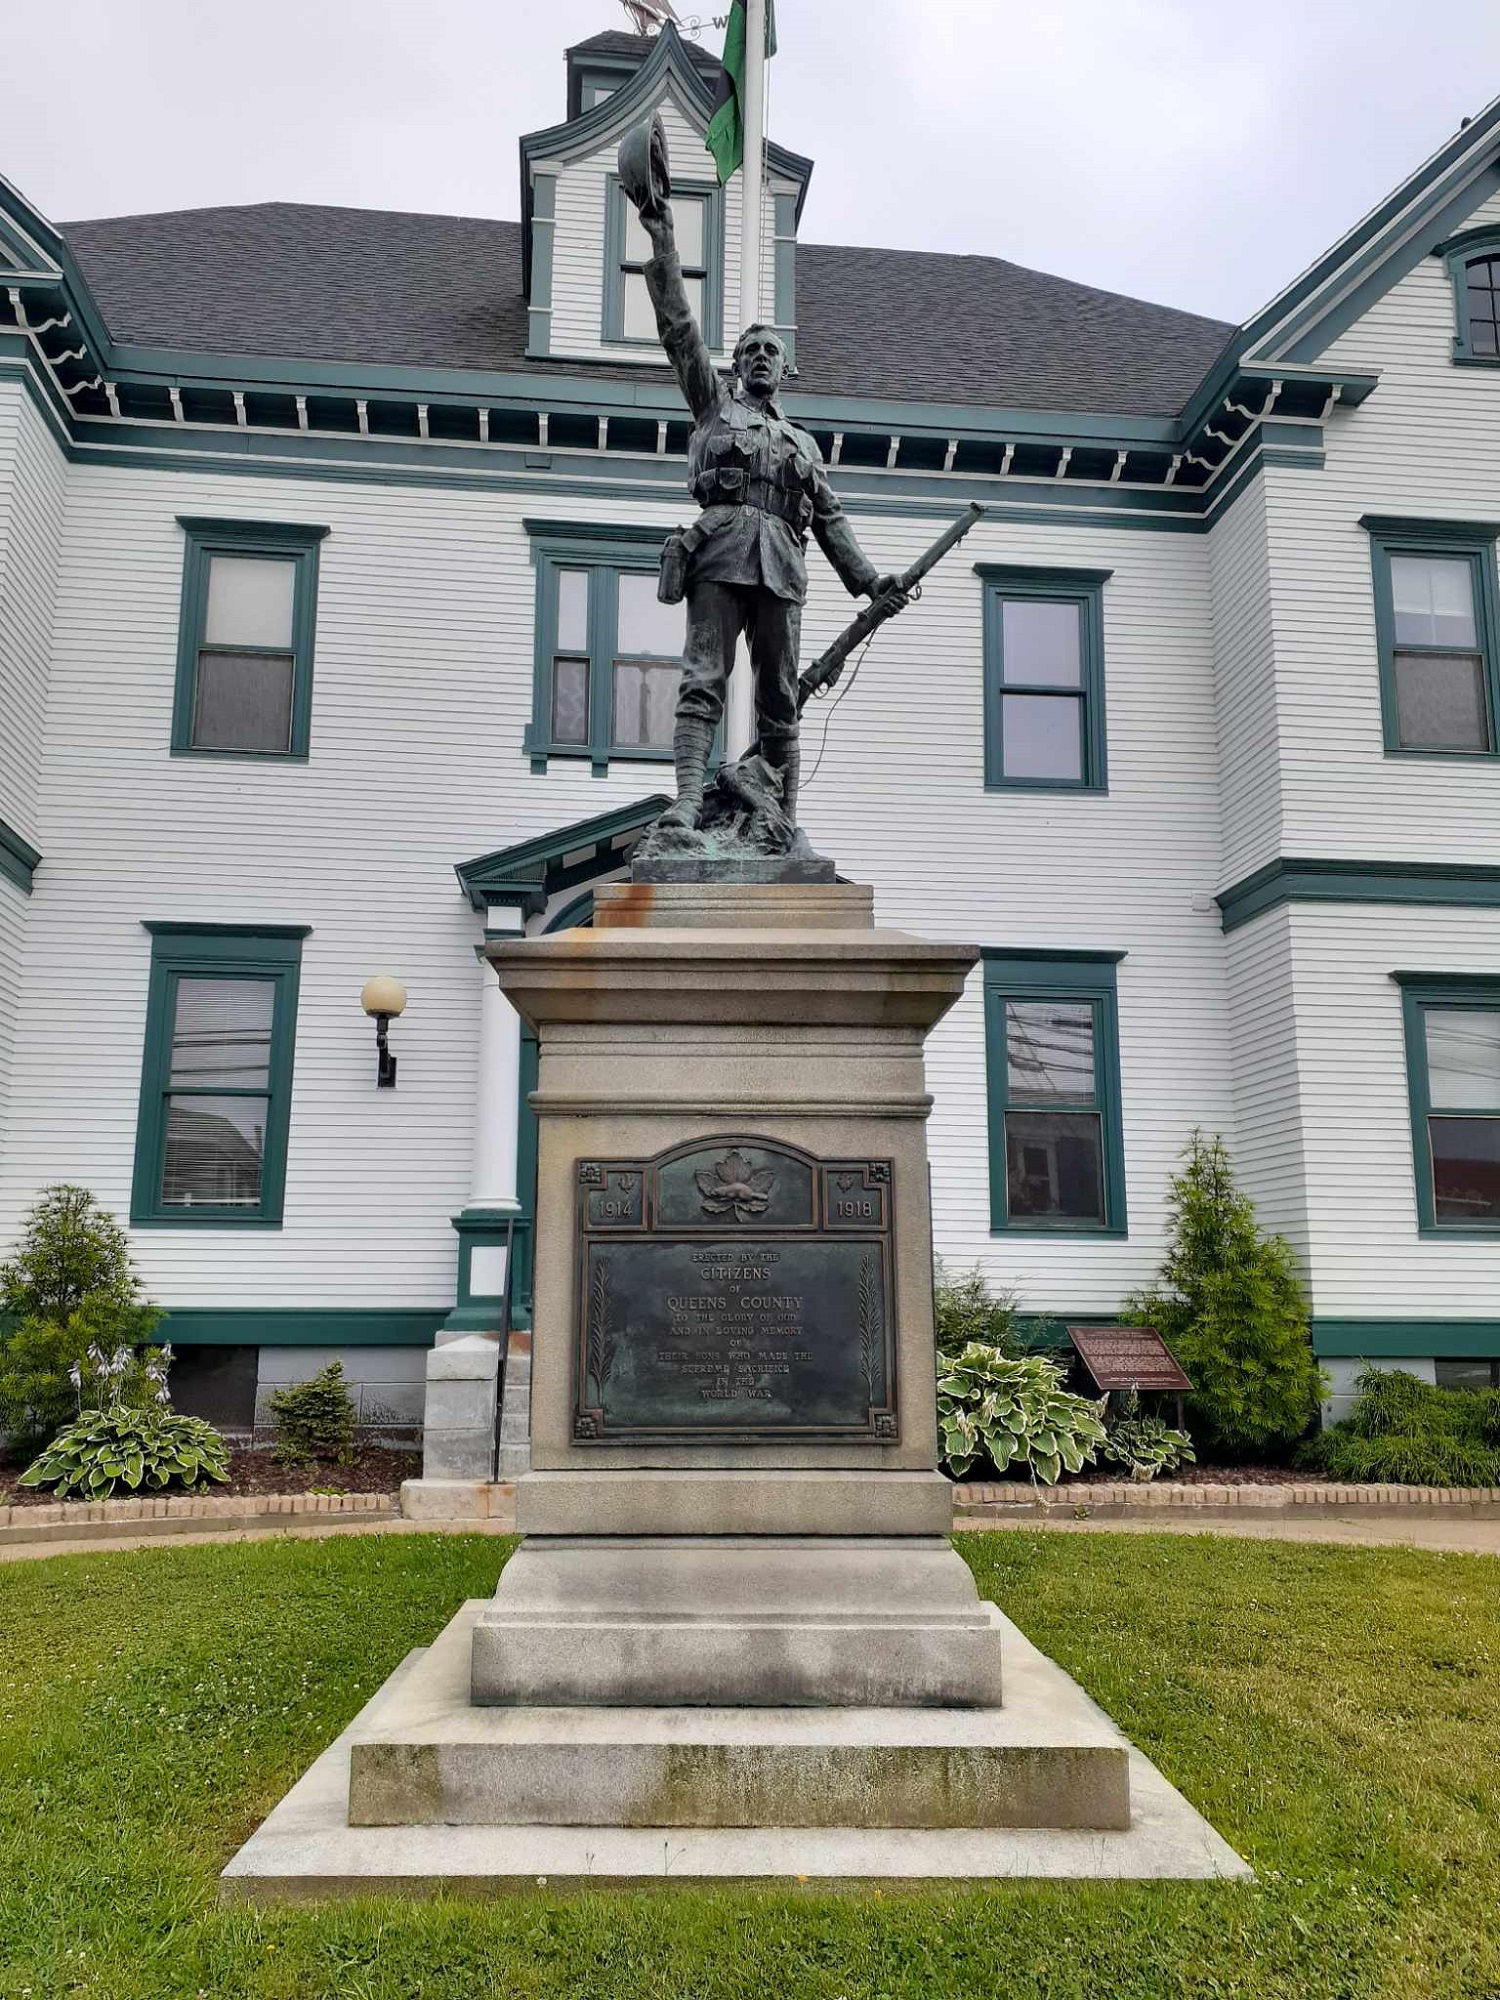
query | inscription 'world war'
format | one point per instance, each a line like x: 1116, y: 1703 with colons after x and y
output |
x: 739, y: 1289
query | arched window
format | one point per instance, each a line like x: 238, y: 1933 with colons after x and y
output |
x: 1482, y: 303
x: 1473, y: 261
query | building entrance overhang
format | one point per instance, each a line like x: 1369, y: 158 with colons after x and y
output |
x: 530, y: 874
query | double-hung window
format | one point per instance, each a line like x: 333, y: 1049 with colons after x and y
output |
x: 1453, y: 1072
x: 1043, y: 678
x: 245, y: 640
x: 697, y: 224
x: 216, y: 1079
x: 608, y: 652
x: 1436, y: 626
x: 1052, y: 1053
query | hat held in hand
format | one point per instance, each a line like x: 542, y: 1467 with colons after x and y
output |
x: 645, y: 173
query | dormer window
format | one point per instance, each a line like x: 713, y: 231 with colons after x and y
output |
x: 1482, y: 303
x: 697, y: 218
x: 1473, y: 261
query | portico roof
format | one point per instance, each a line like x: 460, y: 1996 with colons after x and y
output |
x: 528, y: 875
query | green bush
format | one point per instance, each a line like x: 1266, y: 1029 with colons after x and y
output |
x: 314, y: 1419
x: 1405, y: 1432
x: 137, y: 1449
x: 1402, y: 1461
x: 1229, y: 1304
x: 69, y: 1286
x: 1143, y: 1444
x: 964, y: 1308
x: 1390, y: 1402
x: 1014, y: 1412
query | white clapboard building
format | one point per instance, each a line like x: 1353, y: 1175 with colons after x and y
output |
x: 329, y: 646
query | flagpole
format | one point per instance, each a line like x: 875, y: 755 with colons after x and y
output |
x: 755, y: 153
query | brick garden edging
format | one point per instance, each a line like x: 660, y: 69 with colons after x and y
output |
x: 181, y: 1514
x: 973, y: 1506
x: 1310, y: 1499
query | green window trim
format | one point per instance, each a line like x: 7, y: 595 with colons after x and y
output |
x: 785, y: 275
x: 1472, y: 542
x: 606, y: 550
x: 1448, y: 991
x: 1088, y: 976
x: 1027, y: 583
x: 263, y: 952
x: 711, y: 270
x: 543, y: 244
x: 1394, y: 1339
x: 1470, y: 246
x: 300, y: 1326
x: 19, y: 860
x: 205, y: 538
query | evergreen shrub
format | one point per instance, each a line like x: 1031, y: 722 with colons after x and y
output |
x: 314, y: 1419
x: 1229, y: 1304
x: 68, y: 1287
x: 964, y: 1308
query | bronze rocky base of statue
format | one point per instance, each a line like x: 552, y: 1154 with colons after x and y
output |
x: 743, y: 834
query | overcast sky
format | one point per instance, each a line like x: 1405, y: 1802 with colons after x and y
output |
x: 1187, y: 151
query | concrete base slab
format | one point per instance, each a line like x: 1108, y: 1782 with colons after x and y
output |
x: 431, y: 1758
x: 729, y: 1622
x: 306, y: 1850
x: 457, y: 1499
x: 642, y: 1501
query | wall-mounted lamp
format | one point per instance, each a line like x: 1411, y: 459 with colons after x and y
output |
x: 383, y: 997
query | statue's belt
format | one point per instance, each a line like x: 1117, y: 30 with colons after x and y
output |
x: 732, y: 488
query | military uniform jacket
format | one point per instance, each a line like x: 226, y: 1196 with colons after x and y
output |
x: 758, y: 476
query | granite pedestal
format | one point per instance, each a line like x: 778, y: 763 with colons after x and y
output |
x: 720, y: 1013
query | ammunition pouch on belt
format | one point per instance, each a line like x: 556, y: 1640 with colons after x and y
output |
x: 671, y: 582
x: 731, y: 486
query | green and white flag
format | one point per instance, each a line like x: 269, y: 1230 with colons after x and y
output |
x: 725, y: 138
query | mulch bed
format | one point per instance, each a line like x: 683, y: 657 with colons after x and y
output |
x: 374, y: 1469
x: 1186, y: 1475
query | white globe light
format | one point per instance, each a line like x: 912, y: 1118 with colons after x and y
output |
x: 383, y: 995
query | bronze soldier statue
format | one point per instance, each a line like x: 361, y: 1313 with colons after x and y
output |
x: 760, y: 481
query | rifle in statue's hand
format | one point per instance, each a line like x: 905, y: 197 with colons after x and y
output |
x: 826, y: 669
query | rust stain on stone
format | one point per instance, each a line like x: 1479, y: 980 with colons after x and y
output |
x: 630, y: 906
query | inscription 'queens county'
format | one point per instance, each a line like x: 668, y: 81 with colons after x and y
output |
x: 735, y: 1288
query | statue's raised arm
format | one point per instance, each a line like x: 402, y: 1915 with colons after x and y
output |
x: 646, y: 179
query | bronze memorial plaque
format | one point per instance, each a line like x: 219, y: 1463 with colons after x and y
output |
x: 1127, y: 1357
x: 735, y: 1289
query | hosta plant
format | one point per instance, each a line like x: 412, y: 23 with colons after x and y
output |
x: 139, y: 1450
x: 1145, y: 1445
x: 1013, y: 1412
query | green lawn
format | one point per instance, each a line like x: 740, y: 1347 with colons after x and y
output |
x: 1335, y: 1712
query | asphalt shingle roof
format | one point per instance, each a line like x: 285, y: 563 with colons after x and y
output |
x: 369, y: 286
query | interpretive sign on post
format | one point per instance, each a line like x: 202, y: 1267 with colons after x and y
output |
x: 738, y: 1289
x: 1129, y: 1357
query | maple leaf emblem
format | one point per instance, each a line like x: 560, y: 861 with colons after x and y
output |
x: 735, y: 1185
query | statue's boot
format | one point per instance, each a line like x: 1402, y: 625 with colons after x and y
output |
x: 786, y: 757
x: 692, y: 740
